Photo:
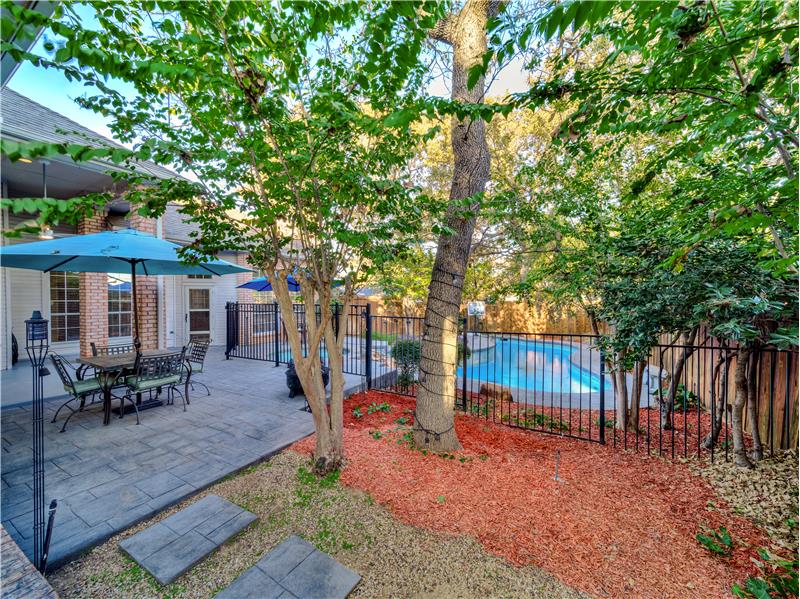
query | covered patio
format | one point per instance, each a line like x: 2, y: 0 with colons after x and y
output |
x: 107, y: 478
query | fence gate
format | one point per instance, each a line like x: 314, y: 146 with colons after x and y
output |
x: 258, y: 332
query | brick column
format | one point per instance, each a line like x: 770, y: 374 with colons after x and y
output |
x: 146, y: 291
x: 246, y: 296
x: 93, y: 295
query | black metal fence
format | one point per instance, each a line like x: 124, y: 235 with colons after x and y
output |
x: 258, y: 332
x: 559, y: 384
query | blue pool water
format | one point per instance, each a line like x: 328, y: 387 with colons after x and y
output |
x: 535, y: 365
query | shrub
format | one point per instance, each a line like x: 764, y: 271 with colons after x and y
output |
x: 406, y: 354
x: 461, y: 352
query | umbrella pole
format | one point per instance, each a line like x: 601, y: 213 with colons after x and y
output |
x: 136, y: 342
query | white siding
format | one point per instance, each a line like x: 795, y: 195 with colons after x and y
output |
x: 223, y: 290
x: 24, y: 291
x: 29, y: 290
x: 177, y: 227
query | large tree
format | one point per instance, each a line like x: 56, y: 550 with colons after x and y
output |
x: 293, y: 121
x: 465, y: 31
x: 713, y: 85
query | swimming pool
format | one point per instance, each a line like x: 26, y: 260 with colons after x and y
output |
x: 535, y: 365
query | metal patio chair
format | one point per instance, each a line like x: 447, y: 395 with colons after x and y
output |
x: 80, y: 389
x: 156, y: 372
x: 195, y: 357
x: 112, y: 350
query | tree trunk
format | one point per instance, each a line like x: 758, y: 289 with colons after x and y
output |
x: 620, y: 391
x: 668, y: 408
x: 636, y: 394
x: 719, y: 402
x: 757, y: 453
x: 434, y: 419
x: 739, y: 401
x: 328, y: 425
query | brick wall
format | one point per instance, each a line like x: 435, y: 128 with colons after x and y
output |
x: 244, y: 295
x: 93, y: 295
x: 146, y: 291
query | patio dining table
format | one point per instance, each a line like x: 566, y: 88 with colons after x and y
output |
x: 109, y: 368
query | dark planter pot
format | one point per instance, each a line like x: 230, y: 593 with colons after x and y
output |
x: 293, y: 381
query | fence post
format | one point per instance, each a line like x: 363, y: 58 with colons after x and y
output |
x: 368, y: 344
x: 336, y: 316
x: 787, y: 408
x: 464, y: 364
x: 602, y: 419
x: 277, y: 334
x: 227, y: 330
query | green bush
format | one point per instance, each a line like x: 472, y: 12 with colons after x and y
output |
x: 406, y: 354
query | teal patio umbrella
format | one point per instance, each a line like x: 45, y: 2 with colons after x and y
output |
x: 125, y: 251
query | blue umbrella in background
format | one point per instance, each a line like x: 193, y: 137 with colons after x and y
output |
x: 263, y: 284
x: 112, y: 252
x: 119, y: 286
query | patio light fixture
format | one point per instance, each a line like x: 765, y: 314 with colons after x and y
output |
x: 37, y: 346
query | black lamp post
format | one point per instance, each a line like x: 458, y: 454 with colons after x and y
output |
x: 36, y: 344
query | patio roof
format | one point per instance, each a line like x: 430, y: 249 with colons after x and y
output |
x: 26, y: 120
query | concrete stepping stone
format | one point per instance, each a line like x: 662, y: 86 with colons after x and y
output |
x: 169, y: 548
x: 293, y: 570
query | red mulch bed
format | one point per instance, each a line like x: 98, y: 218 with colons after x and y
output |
x: 616, y: 524
x: 682, y: 441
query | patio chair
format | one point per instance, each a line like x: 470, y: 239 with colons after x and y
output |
x: 79, y: 388
x: 112, y: 350
x: 155, y: 372
x: 195, y: 357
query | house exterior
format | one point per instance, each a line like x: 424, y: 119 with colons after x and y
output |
x: 96, y: 307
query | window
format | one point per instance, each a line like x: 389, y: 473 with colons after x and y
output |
x: 65, y: 307
x: 119, y: 306
x: 198, y: 276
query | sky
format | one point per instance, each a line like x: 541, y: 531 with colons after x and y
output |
x: 51, y: 89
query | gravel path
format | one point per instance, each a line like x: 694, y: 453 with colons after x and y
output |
x: 394, y: 560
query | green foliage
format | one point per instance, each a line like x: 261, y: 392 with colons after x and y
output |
x: 380, y: 336
x: 716, y: 541
x: 669, y: 197
x: 376, y: 407
x: 684, y: 398
x: 463, y: 352
x: 311, y: 485
x: 358, y: 412
x: 779, y: 578
x: 404, y: 280
x: 291, y: 124
x: 406, y: 353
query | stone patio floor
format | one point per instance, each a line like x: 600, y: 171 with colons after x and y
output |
x: 107, y: 479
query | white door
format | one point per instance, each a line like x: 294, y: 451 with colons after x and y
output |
x: 197, y: 318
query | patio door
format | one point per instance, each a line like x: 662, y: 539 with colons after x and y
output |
x: 198, y: 314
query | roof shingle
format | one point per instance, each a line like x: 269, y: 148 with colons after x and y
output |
x: 23, y: 119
